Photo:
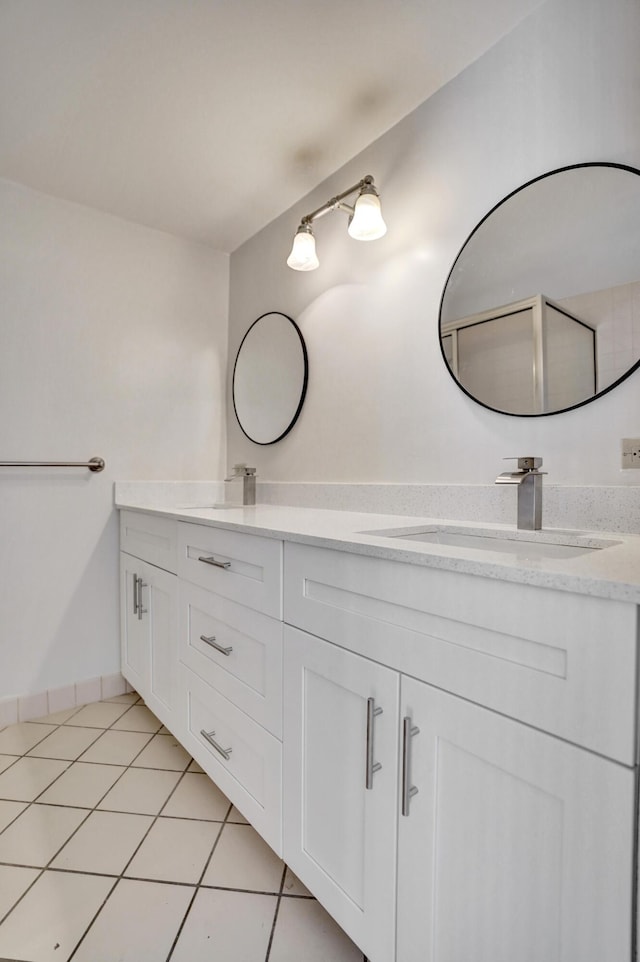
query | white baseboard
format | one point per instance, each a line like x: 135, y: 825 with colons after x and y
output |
x: 39, y: 704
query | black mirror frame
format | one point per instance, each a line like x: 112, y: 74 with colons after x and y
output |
x: 305, y: 381
x: 546, y: 414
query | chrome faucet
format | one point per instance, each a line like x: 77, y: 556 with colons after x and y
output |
x: 248, y: 478
x: 529, y: 481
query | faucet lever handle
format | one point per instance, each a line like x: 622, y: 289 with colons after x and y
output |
x: 527, y: 464
x: 241, y: 471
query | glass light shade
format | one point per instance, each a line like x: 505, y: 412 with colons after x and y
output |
x: 367, y: 222
x: 303, y: 253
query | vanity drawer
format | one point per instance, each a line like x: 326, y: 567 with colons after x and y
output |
x: 150, y: 538
x: 248, y: 669
x: 251, y: 775
x: 242, y: 567
x: 560, y: 662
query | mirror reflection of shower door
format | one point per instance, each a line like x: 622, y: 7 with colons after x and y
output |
x: 526, y: 358
x: 569, y: 359
x: 494, y: 362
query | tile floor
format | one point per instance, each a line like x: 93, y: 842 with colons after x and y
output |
x: 115, y: 847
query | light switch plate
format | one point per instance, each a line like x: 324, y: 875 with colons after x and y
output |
x: 630, y: 453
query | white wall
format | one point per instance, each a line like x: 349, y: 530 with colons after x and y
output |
x: 113, y: 342
x: 563, y: 88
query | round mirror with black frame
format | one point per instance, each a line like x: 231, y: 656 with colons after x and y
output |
x: 270, y: 377
x: 541, y: 310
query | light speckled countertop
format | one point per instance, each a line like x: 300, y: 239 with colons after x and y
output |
x: 609, y: 572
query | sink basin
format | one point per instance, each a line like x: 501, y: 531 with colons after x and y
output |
x: 525, y: 544
x: 217, y: 505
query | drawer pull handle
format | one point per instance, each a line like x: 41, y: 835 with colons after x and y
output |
x: 371, y: 766
x: 135, y: 594
x: 216, y: 564
x: 408, y: 790
x: 225, y: 752
x: 214, y: 644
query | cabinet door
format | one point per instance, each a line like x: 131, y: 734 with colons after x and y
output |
x: 339, y: 835
x: 134, y: 633
x: 518, y: 847
x: 149, y: 633
x: 159, y: 597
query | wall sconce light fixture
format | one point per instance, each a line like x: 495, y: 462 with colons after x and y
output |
x: 365, y: 223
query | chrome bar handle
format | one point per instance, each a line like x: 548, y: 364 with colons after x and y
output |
x: 214, y: 644
x: 216, y: 564
x: 225, y: 752
x: 135, y: 594
x: 371, y: 766
x: 141, y: 611
x: 408, y: 790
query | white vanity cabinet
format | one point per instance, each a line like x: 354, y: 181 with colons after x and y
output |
x: 518, y: 845
x: 230, y: 672
x: 201, y: 636
x: 340, y: 785
x: 148, y: 610
x: 447, y: 761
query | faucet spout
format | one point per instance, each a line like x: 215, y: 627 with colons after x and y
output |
x: 511, y: 477
x: 529, y: 481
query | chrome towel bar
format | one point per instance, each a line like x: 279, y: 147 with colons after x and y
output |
x: 94, y: 464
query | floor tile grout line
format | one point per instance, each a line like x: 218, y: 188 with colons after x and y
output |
x: 47, y: 758
x: 133, y: 855
x: 122, y: 811
x: 74, y: 712
x: 9, y: 824
x: 31, y: 747
x: 47, y: 866
x: 35, y: 801
x: 102, y: 905
x: 29, y: 803
x: 60, y: 870
x: 4, y: 917
x: 114, y: 811
x: 108, y: 895
x: 281, y: 894
x: 43, y: 721
x: 53, y: 759
x: 44, y: 868
x: 115, y: 721
x: 275, y: 917
x: 73, y: 761
x: 199, y: 883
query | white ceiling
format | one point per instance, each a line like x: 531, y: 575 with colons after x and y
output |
x: 208, y: 118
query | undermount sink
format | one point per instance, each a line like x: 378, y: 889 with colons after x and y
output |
x: 218, y: 505
x: 524, y: 544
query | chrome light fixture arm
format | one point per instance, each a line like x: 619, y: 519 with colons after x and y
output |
x: 365, y: 222
x: 336, y: 202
